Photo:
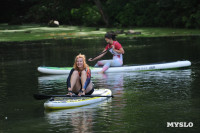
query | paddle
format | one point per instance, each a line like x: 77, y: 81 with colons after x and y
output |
x: 101, y: 53
x: 42, y: 96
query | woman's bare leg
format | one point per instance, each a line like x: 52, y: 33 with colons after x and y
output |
x: 83, y: 80
x: 75, y: 82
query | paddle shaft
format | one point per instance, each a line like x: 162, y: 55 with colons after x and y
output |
x: 102, y: 53
x: 42, y: 96
x: 78, y: 96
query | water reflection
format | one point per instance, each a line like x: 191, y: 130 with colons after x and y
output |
x: 52, y: 84
x: 161, y: 85
x: 140, y: 98
x: 78, y: 119
x: 119, y: 82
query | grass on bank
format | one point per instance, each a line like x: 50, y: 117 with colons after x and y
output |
x: 30, y: 32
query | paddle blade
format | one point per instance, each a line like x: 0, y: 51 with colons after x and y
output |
x: 41, y: 96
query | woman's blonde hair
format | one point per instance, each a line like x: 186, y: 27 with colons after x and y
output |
x: 85, y: 65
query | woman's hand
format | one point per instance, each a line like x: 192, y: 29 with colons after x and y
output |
x: 120, y: 51
x: 90, y: 59
x: 113, y: 47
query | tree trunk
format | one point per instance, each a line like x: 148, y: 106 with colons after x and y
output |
x: 103, y: 14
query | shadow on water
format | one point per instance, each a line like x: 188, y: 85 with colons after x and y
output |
x: 137, y: 50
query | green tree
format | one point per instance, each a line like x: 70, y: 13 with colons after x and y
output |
x: 86, y: 14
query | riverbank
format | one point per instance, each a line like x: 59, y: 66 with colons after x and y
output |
x: 31, y: 32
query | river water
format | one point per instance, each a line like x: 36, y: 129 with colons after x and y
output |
x: 143, y: 101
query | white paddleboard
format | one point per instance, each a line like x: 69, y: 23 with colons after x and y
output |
x: 134, y: 68
x: 72, y: 102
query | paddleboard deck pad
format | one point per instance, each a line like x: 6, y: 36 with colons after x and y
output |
x: 73, y: 102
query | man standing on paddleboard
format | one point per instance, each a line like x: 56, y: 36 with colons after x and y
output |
x: 115, y: 48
